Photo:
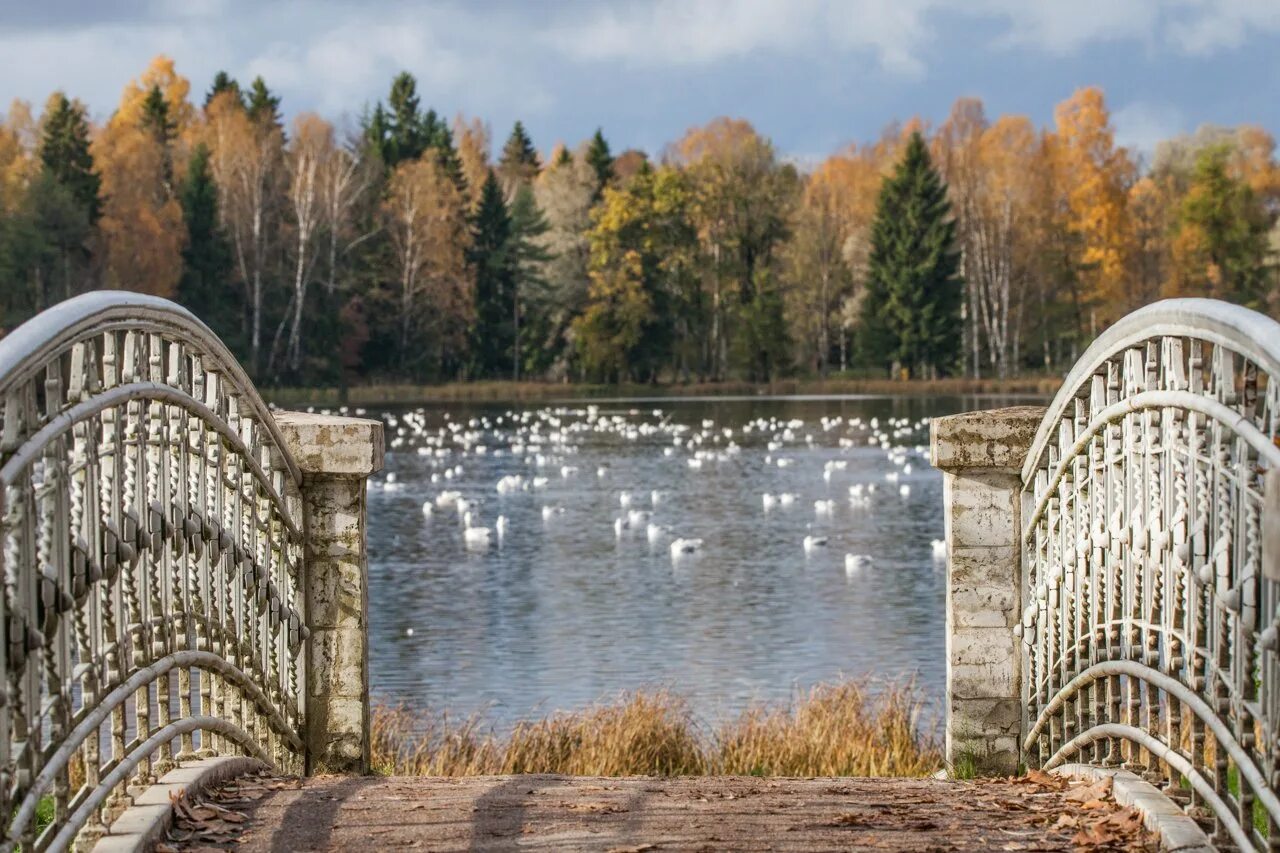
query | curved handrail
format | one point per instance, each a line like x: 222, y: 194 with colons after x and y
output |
x: 146, y: 494
x: 30, y: 345
x: 1151, y: 620
x: 1253, y: 335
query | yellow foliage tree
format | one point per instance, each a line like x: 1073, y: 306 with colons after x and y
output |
x: 142, y: 228
x: 1092, y: 178
x: 17, y: 154
x: 426, y: 219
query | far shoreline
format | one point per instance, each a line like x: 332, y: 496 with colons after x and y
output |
x: 401, y: 394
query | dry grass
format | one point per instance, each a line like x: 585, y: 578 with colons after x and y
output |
x: 500, y: 391
x: 841, y: 729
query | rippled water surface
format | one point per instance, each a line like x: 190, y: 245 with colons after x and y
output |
x: 564, y: 611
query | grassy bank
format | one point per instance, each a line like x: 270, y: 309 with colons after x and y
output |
x: 840, y: 729
x: 378, y: 395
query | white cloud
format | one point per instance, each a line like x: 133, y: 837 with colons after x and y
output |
x: 1209, y: 26
x: 1140, y: 125
x: 1062, y: 27
x: 503, y: 58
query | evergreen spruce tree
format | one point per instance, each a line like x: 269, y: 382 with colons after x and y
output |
x: 447, y: 155
x: 493, y: 333
x: 205, y: 286
x: 564, y: 158
x: 519, y: 162
x: 528, y: 260
x: 262, y: 105
x: 64, y: 153
x: 155, y: 116
x: 223, y: 82
x: 407, y: 138
x: 377, y: 133
x: 156, y: 122
x: 911, y: 311
x: 601, y: 160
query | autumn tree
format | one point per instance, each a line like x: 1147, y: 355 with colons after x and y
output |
x: 912, y: 309
x: 308, y: 161
x: 643, y: 245
x: 565, y: 193
x: 742, y: 204
x: 424, y: 215
x: 472, y: 139
x: 248, y: 166
x: 142, y: 229
x: 1092, y: 177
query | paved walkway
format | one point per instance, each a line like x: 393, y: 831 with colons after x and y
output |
x: 545, y: 813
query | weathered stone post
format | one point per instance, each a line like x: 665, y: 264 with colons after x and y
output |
x: 336, y: 456
x: 981, y: 456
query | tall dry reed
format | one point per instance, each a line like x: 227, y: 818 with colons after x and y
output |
x: 848, y: 728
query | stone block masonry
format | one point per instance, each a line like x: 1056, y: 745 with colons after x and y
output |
x: 981, y: 456
x: 336, y: 456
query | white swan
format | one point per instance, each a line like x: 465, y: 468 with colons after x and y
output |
x: 854, y: 563
x: 786, y: 499
x: 656, y: 531
x: 500, y: 525
x: 475, y: 537
x: 685, y: 546
x: 446, y: 498
x: 427, y: 508
x: 824, y: 507
x: 904, y: 490
x: 939, y: 548
x: 620, y: 526
x: 769, y: 501
x: 812, y: 542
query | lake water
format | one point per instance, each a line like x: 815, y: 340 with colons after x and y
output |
x: 564, y: 610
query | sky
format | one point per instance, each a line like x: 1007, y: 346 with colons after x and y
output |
x: 813, y: 75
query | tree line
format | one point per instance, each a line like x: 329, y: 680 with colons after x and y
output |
x: 398, y: 248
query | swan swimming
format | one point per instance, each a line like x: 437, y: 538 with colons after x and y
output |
x: 854, y: 563
x: 685, y: 546
x: 811, y: 542
x: 475, y: 537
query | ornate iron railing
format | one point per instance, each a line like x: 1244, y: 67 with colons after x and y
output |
x: 150, y: 536
x: 1150, y: 621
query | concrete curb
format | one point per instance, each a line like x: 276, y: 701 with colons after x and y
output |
x: 1178, y: 832
x: 149, y: 818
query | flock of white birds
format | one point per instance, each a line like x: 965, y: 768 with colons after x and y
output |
x: 542, y: 444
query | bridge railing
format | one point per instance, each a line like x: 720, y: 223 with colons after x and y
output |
x: 162, y: 594
x: 1135, y: 620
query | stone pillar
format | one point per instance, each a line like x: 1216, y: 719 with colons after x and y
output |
x: 981, y: 456
x: 336, y: 456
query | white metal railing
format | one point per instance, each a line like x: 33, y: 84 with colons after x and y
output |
x: 1151, y: 615
x: 151, y: 543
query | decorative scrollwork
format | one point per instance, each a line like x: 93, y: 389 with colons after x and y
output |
x: 150, y: 532
x: 1150, y: 628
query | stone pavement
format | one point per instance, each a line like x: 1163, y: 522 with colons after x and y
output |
x: 496, y: 813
